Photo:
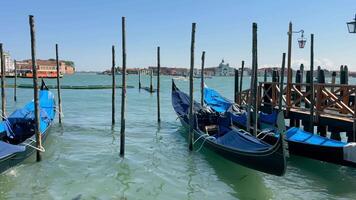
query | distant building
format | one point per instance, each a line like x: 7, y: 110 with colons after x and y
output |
x: 9, y: 63
x: 224, y: 69
x: 45, y: 67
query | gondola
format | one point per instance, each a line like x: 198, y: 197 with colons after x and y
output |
x: 300, y: 142
x: 214, y: 131
x: 17, y: 135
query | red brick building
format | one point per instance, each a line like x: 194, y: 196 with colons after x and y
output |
x: 46, y: 68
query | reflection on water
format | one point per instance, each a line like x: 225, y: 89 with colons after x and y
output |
x: 82, y: 156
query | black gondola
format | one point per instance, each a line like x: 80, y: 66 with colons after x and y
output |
x: 300, y: 142
x: 214, y: 131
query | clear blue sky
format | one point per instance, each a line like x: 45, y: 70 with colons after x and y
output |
x: 85, y: 30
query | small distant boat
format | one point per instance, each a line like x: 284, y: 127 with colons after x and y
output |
x: 214, y: 132
x: 17, y: 135
x: 182, y: 78
x: 205, y: 77
x: 300, y: 142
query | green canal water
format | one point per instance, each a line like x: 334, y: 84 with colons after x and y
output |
x: 82, y: 156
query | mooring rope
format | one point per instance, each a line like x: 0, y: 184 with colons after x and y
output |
x: 41, y: 148
x: 205, y: 136
x: 59, y: 111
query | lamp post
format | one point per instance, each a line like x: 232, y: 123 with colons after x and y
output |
x: 301, y: 43
x: 352, y: 26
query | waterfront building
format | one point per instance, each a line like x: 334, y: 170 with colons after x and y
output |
x: 9, y: 62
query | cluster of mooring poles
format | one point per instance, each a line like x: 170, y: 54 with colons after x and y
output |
x: 328, y: 106
x: 124, y: 86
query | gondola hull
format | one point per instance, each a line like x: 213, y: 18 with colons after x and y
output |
x: 16, y: 158
x: 270, y: 163
x: 328, y: 154
x: 270, y: 159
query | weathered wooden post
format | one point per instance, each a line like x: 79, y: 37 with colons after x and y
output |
x: 35, y: 89
x: 312, y: 99
x: 3, y: 98
x: 265, y: 76
x: 158, y: 84
x: 139, y: 79
x: 346, y: 98
x: 253, y: 93
x: 298, y: 80
x: 202, y: 78
x: 242, y: 75
x: 236, y: 86
x: 321, y: 80
x: 341, y: 74
x: 333, y: 81
x: 151, y: 82
x: 301, y: 68
x: 255, y: 66
x: 123, y: 91
x: 305, y: 122
x: 289, y: 75
x: 15, y: 80
x: 191, y: 114
x: 275, y: 80
x: 280, y: 96
x: 58, y: 88
x: 113, y: 72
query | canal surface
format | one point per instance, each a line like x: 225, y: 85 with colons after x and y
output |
x: 82, y: 156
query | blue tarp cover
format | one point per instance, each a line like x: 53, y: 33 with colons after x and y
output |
x: 238, y: 140
x: 8, y: 149
x: 298, y: 135
x: 220, y: 104
x: 216, y: 101
x: 25, y: 116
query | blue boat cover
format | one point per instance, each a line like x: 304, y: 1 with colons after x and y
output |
x: 216, y: 101
x: 297, y: 135
x: 7, y: 149
x: 239, y: 140
x: 20, y: 124
x: 220, y: 104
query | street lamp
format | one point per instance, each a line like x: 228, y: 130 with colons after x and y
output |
x: 302, y: 41
x: 352, y: 26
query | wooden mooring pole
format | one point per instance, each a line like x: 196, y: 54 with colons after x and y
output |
x: 298, y: 79
x: 312, y: 100
x: 333, y: 80
x: 289, y: 70
x: 123, y: 91
x: 236, y: 87
x: 191, y: 110
x: 202, y: 78
x: 3, y: 98
x: 58, y: 88
x: 151, y: 81
x: 139, y: 79
x: 253, y: 98
x: 158, y: 84
x: 15, y: 80
x: 321, y: 129
x: 35, y: 89
x: 241, y: 77
x: 113, y: 72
